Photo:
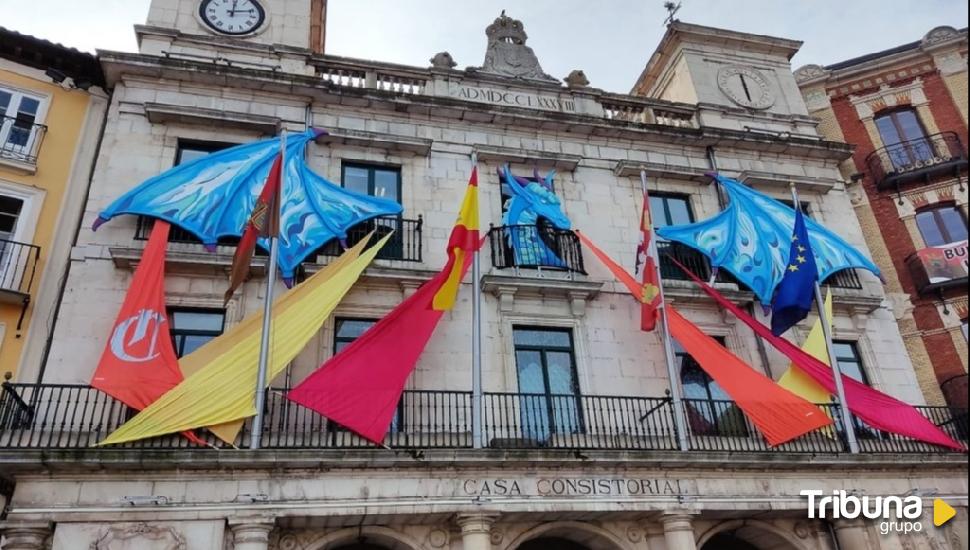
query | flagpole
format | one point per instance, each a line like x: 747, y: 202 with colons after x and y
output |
x: 850, y: 434
x: 477, y: 442
x: 264, y: 342
x: 679, y: 412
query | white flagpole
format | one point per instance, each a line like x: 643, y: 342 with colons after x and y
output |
x: 477, y: 442
x: 675, y: 393
x: 850, y: 435
x: 264, y: 342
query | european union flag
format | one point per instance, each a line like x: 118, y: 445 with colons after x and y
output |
x: 793, y: 299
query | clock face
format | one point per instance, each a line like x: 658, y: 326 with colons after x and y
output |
x: 745, y: 86
x: 234, y: 17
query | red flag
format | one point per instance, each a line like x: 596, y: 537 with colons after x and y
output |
x: 360, y: 387
x: 875, y: 408
x: 647, y: 255
x: 139, y: 364
x: 263, y: 222
x: 779, y: 414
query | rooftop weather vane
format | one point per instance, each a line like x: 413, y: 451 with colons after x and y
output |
x: 672, y: 10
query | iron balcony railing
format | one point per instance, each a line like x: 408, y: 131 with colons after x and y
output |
x: 20, y: 139
x: 935, y: 269
x: 63, y: 416
x: 701, y: 266
x: 404, y: 245
x: 535, y: 247
x: 924, y: 157
x: 18, y: 265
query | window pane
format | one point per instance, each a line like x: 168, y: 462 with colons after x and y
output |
x: 196, y: 320
x: 928, y: 227
x: 887, y: 130
x: 28, y: 108
x: 909, y: 124
x: 679, y: 212
x: 847, y: 355
x: 352, y: 328
x: 191, y: 343
x: 692, y: 379
x: 955, y: 225
x: 355, y: 179
x: 385, y: 185
x: 4, y: 102
x: 560, y: 366
x: 9, y: 212
x: 544, y: 338
x: 188, y: 155
x: 529, y: 366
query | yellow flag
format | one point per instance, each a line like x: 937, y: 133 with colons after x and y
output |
x: 221, y: 387
x: 799, y: 383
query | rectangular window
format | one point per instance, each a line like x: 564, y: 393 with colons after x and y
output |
x: 710, y: 410
x: 10, y: 208
x: 189, y: 150
x: 191, y: 328
x: 670, y: 209
x: 21, y: 115
x: 373, y: 180
x: 850, y: 362
x: 903, y: 137
x: 548, y: 385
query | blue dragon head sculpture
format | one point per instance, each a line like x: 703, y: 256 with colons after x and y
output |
x: 532, y: 202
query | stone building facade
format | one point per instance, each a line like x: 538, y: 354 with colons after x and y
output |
x: 905, y: 110
x: 611, y: 481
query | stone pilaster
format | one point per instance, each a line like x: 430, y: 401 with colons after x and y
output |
x: 25, y: 535
x: 851, y: 534
x: 679, y: 531
x: 476, y: 530
x: 251, y: 533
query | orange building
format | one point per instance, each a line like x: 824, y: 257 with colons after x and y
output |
x: 905, y: 110
x: 52, y: 111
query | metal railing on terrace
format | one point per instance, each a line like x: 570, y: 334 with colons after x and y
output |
x: 20, y: 139
x: 915, y: 159
x: 18, y: 265
x: 63, y: 416
x: 535, y: 247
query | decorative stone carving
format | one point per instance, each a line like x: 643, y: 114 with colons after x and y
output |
x: 576, y: 79
x: 438, y: 538
x: 634, y: 534
x: 166, y: 538
x: 940, y: 34
x: 497, y: 535
x: 810, y: 72
x: 443, y: 60
x: 507, y: 54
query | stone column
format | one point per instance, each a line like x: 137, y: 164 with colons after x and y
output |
x: 25, y: 535
x: 679, y: 531
x: 251, y: 533
x: 851, y: 534
x: 476, y: 530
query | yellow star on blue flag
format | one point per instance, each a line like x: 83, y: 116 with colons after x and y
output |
x: 793, y: 298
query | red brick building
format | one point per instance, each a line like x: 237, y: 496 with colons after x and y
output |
x: 905, y: 111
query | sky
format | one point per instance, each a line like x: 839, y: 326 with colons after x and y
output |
x: 610, y: 40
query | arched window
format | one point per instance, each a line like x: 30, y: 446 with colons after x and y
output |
x: 903, y: 137
x: 942, y: 225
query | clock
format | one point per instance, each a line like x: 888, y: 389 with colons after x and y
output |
x: 232, y: 17
x: 745, y: 86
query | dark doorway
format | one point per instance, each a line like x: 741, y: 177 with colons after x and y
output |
x: 551, y: 544
x: 727, y: 541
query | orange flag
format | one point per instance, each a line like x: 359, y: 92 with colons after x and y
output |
x: 651, y: 299
x: 464, y: 240
x: 139, y: 364
x: 779, y: 414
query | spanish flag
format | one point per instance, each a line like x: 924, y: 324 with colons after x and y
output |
x: 464, y: 239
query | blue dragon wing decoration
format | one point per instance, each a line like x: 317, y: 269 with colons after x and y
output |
x: 213, y: 196
x: 751, y: 237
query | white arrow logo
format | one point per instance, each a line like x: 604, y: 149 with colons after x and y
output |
x: 143, y: 320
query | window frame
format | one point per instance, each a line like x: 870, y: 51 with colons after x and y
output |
x: 681, y: 357
x: 178, y: 333
x: 580, y: 425
x: 935, y: 210
x: 667, y: 216
x: 17, y: 94
x: 337, y: 339
x: 913, y: 154
x: 372, y: 168
x: 200, y: 145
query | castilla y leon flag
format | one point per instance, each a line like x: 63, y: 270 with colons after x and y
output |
x: 139, y: 364
x: 263, y: 222
x: 464, y: 239
x: 650, y: 297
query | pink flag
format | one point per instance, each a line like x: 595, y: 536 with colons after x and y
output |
x: 875, y: 408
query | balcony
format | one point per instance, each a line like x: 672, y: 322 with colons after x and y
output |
x: 18, y: 265
x: 923, y: 158
x: 20, y: 141
x: 937, y: 268
x: 536, y: 247
x: 58, y: 416
x: 405, y: 245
